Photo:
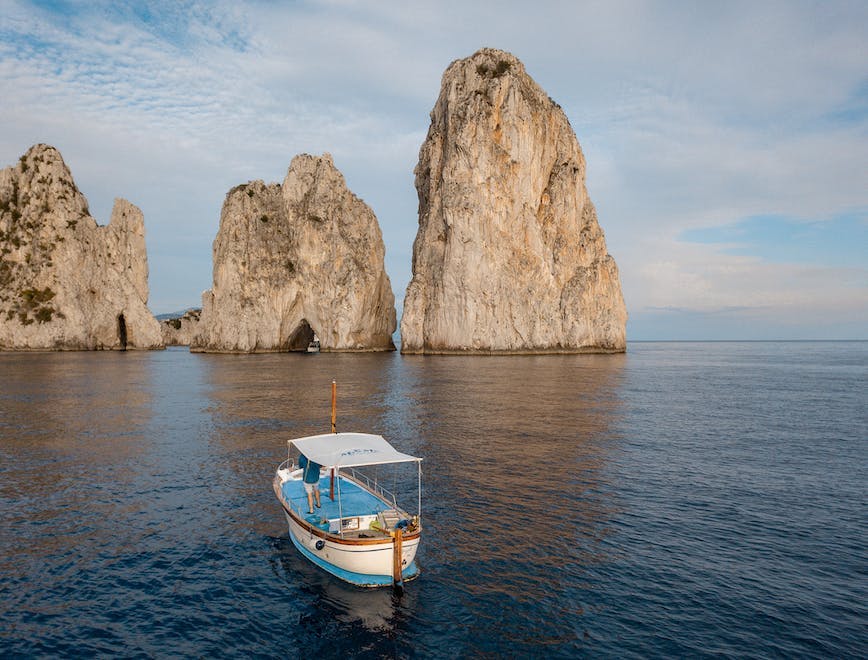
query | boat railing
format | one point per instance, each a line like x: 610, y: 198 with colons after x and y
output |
x: 289, y: 465
x: 371, y: 484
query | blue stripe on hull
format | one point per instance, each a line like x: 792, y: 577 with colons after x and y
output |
x: 360, y: 579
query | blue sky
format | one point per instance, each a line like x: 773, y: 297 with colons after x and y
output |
x: 727, y: 143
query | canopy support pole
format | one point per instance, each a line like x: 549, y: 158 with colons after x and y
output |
x: 334, y: 430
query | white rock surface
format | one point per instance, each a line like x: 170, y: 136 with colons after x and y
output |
x: 509, y: 256
x: 179, y: 331
x: 293, y: 259
x: 67, y: 283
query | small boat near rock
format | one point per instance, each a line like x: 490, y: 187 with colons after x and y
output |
x: 360, y: 533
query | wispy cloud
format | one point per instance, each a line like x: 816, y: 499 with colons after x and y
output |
x: 703, y: 118
x: 842, y: 240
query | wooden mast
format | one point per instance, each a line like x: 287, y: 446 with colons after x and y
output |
x: 334, y: 406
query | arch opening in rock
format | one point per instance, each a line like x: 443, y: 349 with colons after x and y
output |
x: 122, y: 331
x: 300, y: 338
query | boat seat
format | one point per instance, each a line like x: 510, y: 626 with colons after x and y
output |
x: 388, y: 518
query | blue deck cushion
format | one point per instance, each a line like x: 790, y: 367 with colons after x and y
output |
x: 355, y: 501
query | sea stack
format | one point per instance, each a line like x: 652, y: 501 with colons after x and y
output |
x: 67, y: 283
x: 296, y: 260
x: 509, y: 256
x: 180, y: 330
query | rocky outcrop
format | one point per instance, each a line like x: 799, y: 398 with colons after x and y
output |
x: 67, y: 283
x: 296, y: 259
x: 509, y: 256
x: 180, y: 330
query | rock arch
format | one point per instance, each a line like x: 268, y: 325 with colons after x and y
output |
x: 306, y: 247
x: 299, y: 338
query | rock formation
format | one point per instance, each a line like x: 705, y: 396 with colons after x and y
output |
x: 180, y: 330
x: 509, y: 256
x: 67, y: 283
x: 293, y: 260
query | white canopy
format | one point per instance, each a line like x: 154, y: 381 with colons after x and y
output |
x: 349, y: 450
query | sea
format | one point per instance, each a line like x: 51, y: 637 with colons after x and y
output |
x: 679, y: 500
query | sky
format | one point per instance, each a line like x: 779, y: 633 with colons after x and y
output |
x: 726, y: 143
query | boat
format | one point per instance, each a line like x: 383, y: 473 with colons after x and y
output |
x: 360, y: 534
x: 313, y: 346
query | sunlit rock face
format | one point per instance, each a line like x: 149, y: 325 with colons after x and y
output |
x: 298, y: 259
x: 180, y: 330
x: 67, y: 283
x: 509, y: 256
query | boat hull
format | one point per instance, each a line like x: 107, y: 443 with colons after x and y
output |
x: 366, y: 564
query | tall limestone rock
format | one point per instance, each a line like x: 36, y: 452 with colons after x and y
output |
x: 296, y: 259
x: 509, y: 256
x: 67, y: 283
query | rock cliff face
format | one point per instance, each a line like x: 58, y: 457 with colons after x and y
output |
x: 296, y: 259
x: 509, y: 256
x: 181, y: 330
x: 65, y: 282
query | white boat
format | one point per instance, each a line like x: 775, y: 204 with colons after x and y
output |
x: 314, y: 345
x: 360, y: 534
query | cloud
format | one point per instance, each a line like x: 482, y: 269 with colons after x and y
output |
x: 691, y: 290
x: 842, y: 240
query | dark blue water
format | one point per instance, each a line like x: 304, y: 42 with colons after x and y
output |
x: 682, y: 500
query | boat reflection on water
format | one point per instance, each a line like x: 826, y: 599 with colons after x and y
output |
x: 376, y: 610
